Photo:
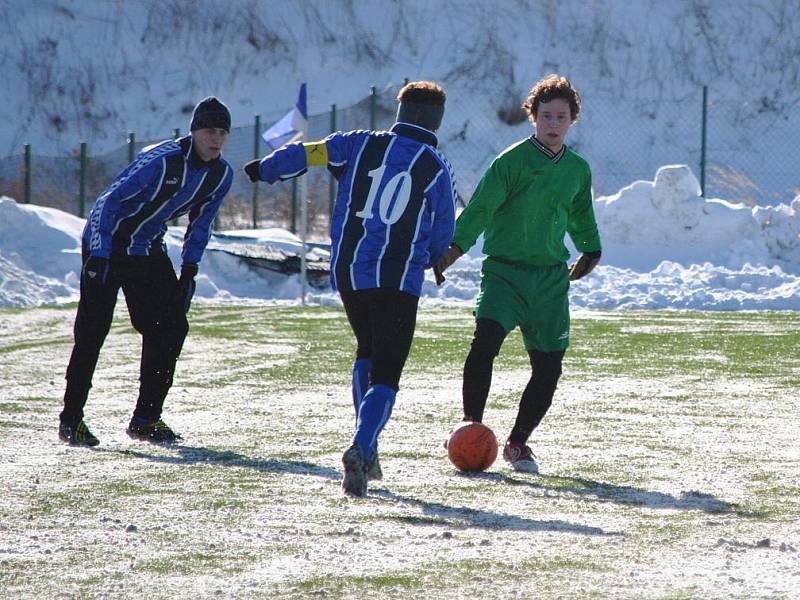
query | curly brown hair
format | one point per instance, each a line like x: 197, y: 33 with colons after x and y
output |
x: 551, y: 87
x: 422, y: 92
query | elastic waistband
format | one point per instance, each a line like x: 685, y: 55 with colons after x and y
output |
x: 524, y: 266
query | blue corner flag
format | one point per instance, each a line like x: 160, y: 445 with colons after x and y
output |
x: 290, y: 128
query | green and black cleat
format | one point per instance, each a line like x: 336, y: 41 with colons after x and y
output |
x: 77, y: 435
x: 156, y: 432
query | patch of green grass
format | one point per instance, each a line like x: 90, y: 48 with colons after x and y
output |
x: 313, y: 336
x: 222, y: 504
x: 685, y: 593
x: 439, y: 579
x: 196, y: 563
x: 665, y: 343
x: 416, y: 520
x: 771, y: 499
x: 27, y: 345
x: 61, y: 501
x: 27, y: 406
x: 323, y: 586
x: 665, y: 529
x: 420, y: 454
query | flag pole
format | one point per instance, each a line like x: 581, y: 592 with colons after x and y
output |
x: 291, y: 128
x: 303, y: 185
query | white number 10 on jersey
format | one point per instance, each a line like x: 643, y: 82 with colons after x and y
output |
x: 398, y: 186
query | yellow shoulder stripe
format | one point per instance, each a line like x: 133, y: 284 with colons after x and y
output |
x: 316, y: 154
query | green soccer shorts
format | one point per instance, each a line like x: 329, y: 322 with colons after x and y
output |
x: 535, y: 299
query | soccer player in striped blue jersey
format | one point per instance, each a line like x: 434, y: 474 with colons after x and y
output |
x: 393, y: 218
x: 123, y: 247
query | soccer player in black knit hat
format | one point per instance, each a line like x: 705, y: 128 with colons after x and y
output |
x: 123, y: 247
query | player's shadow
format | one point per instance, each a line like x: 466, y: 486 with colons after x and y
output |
x: 436, y: 513
x: 190, y: 455
x: 623, y: 494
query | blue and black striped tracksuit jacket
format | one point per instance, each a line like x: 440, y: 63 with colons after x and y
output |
x: 165, y: 181
x: 395, y: 209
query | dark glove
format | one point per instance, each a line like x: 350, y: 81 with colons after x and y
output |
x: 452, y: 255
x: 252, y: 169
x: 437, y: 274
x: 584, y: 265
x: 186, y: 287
x: 95, y: 273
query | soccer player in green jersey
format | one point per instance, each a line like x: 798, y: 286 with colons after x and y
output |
x: 532, y: 194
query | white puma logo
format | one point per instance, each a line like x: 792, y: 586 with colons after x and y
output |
x: 172, y: 181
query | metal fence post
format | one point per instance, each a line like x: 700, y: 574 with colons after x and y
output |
x: 82, y: 185
x: 332, y: 180
x: 293, y: 227
x: 27, y: 173
x: 175, y: 220
x: 256, y: 154
x: 703, y: 143
x: 131, y: 146
x: 373, y: 104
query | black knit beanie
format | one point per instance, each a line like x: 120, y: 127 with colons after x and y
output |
x: 211, y: 113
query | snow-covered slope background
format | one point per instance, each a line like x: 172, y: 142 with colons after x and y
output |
x: 94, y: 70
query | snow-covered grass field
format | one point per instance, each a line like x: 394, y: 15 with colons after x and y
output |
x: 670, y: 465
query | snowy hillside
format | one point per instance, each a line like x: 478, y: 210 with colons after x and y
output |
x: 93, y: 70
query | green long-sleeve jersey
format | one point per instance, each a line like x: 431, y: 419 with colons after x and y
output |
x: 525, y: 203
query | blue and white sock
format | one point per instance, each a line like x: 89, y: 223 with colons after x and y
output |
x: 361, y: 369
x: 376, y: 409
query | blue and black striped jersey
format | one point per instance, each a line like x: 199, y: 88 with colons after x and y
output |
x: 164, y: 182
x: 395, y: 209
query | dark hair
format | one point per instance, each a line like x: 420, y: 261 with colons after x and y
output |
x: 422, y: 92
x: 549, y: 88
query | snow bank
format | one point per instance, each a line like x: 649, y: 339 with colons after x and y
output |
x: 664, y: 246
x: 39, y: 254
x: 666, y: 219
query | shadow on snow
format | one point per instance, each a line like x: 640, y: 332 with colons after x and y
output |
x: 624, y: 494
x: 554, y: 484
x: 187, y: 455
x: 461, y: 516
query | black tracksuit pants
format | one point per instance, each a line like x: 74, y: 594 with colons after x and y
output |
x: 538, y: 394
x: 150, y: 288
x: 383, y: 321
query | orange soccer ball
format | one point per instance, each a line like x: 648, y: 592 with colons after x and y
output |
x: 472, y: 447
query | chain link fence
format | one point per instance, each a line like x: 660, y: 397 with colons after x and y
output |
x: 748, y: 155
